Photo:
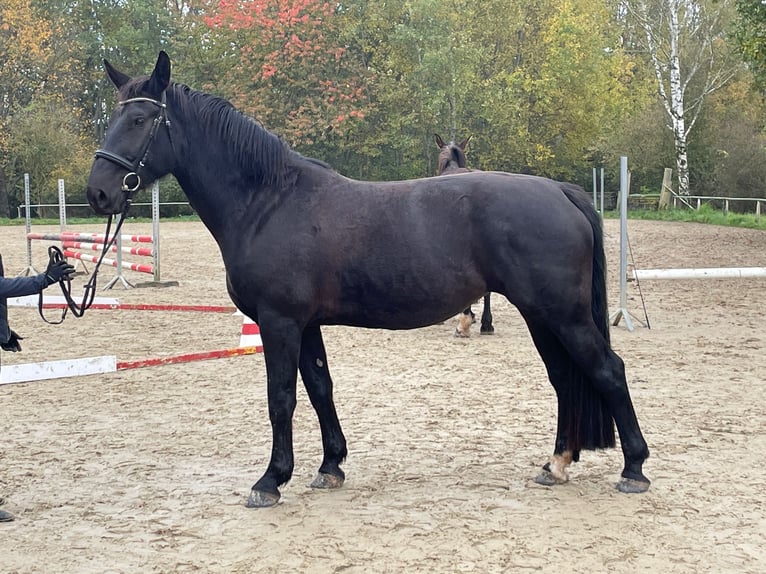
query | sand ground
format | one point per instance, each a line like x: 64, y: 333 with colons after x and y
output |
x: 147, y: 470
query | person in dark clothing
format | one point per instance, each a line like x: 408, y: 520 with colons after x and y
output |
x: 18, y: 287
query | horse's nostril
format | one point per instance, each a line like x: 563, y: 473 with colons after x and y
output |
x: 98, y: 199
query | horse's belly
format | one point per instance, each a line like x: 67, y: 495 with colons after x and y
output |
x: 377, y: 307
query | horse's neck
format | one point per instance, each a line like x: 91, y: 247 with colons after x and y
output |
x: 458, y: 157
x: 226, y: 195
x: 209, y: 176
x: 453, y: 167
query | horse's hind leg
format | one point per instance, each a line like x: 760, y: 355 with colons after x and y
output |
x: 606, y: 372
x: 591, y: 388
x: 464, y: 322
x: 316, y: 378
x: 558, y: 365
x: 486, y: 318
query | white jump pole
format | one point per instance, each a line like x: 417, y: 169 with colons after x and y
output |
x: 701, y: 273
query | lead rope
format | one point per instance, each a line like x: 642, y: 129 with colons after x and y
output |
x: 55, y: 255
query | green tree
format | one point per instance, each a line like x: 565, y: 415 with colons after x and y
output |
x: 46, y: 143
x: 750, y: 33
x: 51, y: 54
x: 551, y: 84
x: 25, y: 51
x: 730, y: 144
x: 127, y: 33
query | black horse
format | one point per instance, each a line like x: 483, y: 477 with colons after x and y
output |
x: 452, y: 160
x: 304, y: 247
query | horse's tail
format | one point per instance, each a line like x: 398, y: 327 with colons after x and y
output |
x: 589, y: 420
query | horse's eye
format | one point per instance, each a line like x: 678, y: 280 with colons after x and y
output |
x: 138, y: 122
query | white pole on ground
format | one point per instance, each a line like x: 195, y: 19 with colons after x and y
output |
x: 622, y: 311
x: 700, y: 273
x: 27, y: 372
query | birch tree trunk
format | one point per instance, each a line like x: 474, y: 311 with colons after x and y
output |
x: 685, y: 40
x: 675, y: 107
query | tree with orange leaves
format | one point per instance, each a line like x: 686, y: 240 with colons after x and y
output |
x: 295, y: 73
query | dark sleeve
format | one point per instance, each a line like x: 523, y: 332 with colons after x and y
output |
x: 20, y: 286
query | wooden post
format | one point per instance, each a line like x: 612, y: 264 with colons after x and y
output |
x: 666, y: 192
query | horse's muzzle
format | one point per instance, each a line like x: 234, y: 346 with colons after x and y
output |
x: 104, y: 203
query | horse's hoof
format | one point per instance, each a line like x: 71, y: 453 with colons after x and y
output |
x: 325, y: 480
x: 547, y: 478
x: 261, y: 499
x: 632, y: 486
x: 461, y: 335
x: 490, y: 331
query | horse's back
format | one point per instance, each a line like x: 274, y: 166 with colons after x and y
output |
x: 515, y: 204
x: 523, y: 234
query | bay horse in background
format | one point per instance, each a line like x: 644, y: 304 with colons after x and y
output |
x: 452, y: 160
x: 304, y: 246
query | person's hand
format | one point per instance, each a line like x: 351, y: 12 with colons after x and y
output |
x: 56, y: 271
x: 13, y: 344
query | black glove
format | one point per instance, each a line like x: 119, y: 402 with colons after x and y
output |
x: 13, y: 343
x: 56, y: 271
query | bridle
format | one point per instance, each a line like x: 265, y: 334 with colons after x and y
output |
x: 134, y: 168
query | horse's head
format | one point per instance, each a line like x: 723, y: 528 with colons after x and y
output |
x: 451, y: 155
x: 138, y: 147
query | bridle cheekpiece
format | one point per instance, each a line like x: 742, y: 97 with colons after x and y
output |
x: 134, y: 167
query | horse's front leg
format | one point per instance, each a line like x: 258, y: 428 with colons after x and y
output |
x: 486, y: 318
x: 316, y: 378
x: 281, y: 347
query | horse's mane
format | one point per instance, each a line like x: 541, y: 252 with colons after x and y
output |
x: 451, y: 158
x: 250, y: 145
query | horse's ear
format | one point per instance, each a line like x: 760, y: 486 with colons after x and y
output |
x: 464, y: 144
x: 438, y: 140
x: 118, y: 78
x: 160, y: 78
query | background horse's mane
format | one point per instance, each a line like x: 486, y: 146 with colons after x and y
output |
x: 451, y: 156
x: 257, y: 150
